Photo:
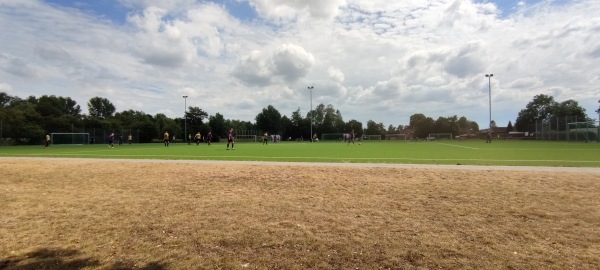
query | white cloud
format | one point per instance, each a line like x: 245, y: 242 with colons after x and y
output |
x: 378, y: 59
x: 287, y: 62
x: 279, y: 10
x: 5, y: 87
x: 336, y: 74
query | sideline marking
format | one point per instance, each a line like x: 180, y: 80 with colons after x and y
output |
x: 462, y: 146
x: 283, y: 158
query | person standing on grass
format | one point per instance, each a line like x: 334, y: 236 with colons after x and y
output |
x: 190, y: 139
x: 198, y: 137
x: 166, y: 138
x: 47, y: 141
x: 230, y: 139
x: 351, y: 137
x: 129, y: 139
x: 209, y: 138
x: 111, y: 140
x: 266, y: 138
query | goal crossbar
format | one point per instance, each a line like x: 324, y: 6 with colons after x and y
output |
x: 69, y: 138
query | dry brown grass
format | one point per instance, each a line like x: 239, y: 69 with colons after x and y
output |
x: 84, y: 214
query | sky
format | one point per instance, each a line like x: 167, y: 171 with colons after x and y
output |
x: 374, y: 60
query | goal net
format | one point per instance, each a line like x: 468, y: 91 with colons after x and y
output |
x: 245, y: 138
x: 69, y: 138
x: 583, y: 131
x: 439, y: 136
x: 333, y: 136
x: 371, y: 137
x: 395, y: 137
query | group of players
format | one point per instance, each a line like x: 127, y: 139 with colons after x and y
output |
x: 197, y: 138
x: 208, y: 139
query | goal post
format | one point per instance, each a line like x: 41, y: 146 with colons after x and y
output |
x: 333, y: 136
x: 245, y: 138
x: 371, y: 137
x: 583, y: 131
x: 395, y: 137
x: 439, y: 136
x: 69, y: 138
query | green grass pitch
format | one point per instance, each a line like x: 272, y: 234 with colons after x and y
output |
x: 474, y: 152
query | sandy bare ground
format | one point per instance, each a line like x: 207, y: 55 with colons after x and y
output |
x: 344, y: 165
x: 64, y: 213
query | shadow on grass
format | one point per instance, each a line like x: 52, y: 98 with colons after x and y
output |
x: 65, y: 259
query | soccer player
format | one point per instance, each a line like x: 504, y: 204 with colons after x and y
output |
x: 266, y: 138
x: 209, y: 138
x: 129, y: 139
x: 230, y: 139
x: 198, y: 137
x: 47, y: 141
x: 351, y: 137
x: 166, y: 138
x: 111, y: 140
x: 190, y: 139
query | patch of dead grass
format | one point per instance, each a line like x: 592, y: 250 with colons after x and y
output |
x: 83, y: 214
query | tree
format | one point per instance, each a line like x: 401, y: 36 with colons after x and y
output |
x: 217, y: 126
x: 22, y: 123
x: 509, y: 127
x: 6, y: 100
x: 195, y: 120
x: 541, y: 107
x: 332, y: 120
x: 422, y: 125
x: 354, y: 124
x: 446, y: 125
x: 100, y: 108
x: 374, y: 128
x: 269, y: 120
x: 570, y: 108
x: 298, y: 126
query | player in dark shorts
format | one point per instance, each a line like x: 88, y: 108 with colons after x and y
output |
x: 111, y: 140
x: 47, y: 145
x: 266, y: 138
x: 230, y: 139
x: 208, y: 138
x: 351, y: 137
x: 166, y: 139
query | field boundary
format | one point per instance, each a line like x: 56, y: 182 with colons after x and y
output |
x: 584, y: 170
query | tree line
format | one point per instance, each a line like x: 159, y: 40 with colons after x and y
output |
x: 26, y: 121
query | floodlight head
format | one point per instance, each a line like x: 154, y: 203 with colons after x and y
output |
x: 311, y: 87
x: 185, y: 96
x: 489, y: 75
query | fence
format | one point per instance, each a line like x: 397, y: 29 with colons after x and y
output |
x: 567, y: 128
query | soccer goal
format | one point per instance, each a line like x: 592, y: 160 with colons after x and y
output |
x: 439, y: 136
x: 333, y: 136
x: 371, y: 137
x: 395, y: 137
x: 69, y: 138
x: 583, y: 131
x: 245, y: 138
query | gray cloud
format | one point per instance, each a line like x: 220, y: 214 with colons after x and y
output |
x: 377, y: 59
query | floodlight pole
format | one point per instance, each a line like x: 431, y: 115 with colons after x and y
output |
x: 185, y: 118
x: 598, y: 111
x: 489, y: 76
x: 310, y: 88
